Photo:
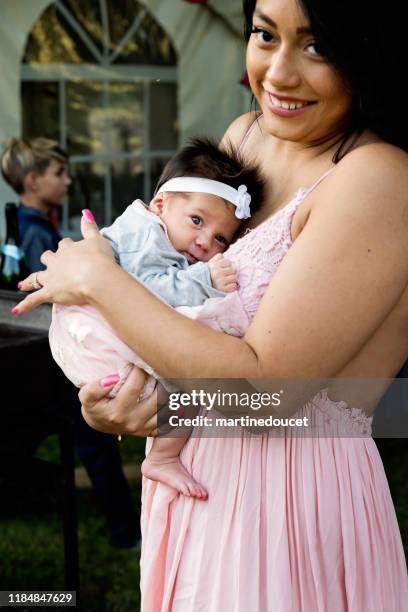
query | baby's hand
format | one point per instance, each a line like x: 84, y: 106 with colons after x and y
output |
x: 222, y: 274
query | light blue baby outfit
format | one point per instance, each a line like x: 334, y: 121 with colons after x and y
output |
x: 141, y: 247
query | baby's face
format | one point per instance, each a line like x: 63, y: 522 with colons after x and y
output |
x: 199, y: 225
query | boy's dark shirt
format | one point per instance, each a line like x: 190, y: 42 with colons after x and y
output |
x: 37, y: 235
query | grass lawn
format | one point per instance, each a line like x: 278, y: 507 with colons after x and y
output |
x: 31, y: 544
x: 31, y: 548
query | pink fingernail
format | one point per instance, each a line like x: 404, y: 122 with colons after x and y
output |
x: 109, y: 381
x: 88, y: 216
x: 19, y: 285
x: 15, y: 310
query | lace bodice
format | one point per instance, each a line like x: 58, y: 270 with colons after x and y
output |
x: 257, y: 255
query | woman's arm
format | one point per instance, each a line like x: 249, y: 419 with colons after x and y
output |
x: 337, y: 284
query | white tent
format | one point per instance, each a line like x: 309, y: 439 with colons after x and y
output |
x: 207, y: 39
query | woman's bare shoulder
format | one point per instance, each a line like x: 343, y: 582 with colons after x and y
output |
x: 377, y: 163
x: 372, y: 178
x: 238, y: 128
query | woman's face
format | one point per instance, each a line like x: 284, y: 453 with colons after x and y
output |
x: 302, y: 98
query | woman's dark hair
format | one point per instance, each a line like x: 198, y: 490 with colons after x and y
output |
x: 202, y: 158
x: 364, y: 42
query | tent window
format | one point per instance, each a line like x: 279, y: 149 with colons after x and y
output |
x: 100, y: 77
x: 121, y: 31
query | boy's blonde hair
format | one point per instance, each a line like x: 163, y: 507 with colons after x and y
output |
x: 23, y: 156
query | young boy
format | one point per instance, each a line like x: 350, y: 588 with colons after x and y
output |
x: 37, y: 170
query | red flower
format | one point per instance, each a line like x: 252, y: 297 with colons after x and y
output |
x: 245, y: 81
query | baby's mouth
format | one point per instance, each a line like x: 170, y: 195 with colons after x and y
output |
x: 190, y: 258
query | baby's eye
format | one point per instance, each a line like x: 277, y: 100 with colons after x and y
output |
x: 196, y: 220
x: 222, y: 240
x: 262, y: 35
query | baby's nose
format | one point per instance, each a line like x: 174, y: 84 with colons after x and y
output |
x: 204, y: 241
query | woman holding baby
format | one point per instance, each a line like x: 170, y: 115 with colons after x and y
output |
x: 290, y: 523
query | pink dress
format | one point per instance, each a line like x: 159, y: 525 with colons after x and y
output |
x: 292, y: 524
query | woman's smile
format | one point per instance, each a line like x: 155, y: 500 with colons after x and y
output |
x: 285, y: 106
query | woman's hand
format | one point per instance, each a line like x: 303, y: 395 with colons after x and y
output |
x: 123, y: 414
x: 70, y: 270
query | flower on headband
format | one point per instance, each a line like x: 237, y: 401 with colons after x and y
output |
x: 242, y: 203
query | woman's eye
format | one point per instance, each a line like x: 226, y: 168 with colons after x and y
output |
x: 196, y: 220
x: 262, y: 35
x: 314, y: 49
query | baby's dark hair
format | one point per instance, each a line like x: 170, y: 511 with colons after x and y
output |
x: 202, y: 158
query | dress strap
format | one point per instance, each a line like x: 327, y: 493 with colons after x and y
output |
x: 248, y: 132
x: 321, y: 178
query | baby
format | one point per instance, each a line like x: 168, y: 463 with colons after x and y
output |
x: 174, y: 247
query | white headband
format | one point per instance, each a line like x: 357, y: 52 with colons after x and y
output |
x: 191, y: 184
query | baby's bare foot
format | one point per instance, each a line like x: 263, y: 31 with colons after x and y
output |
x: 172, y: 472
